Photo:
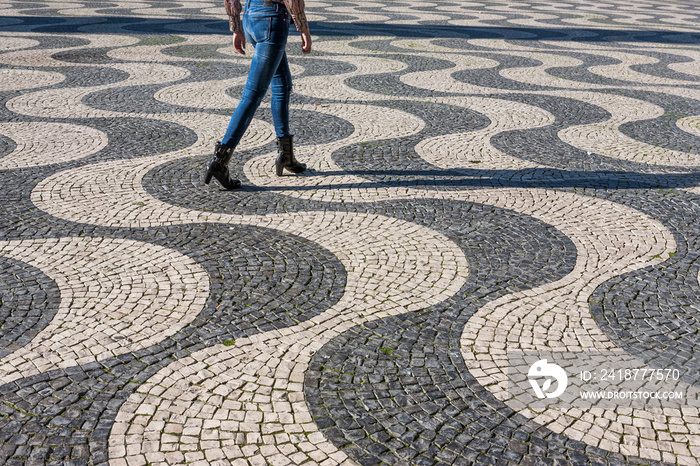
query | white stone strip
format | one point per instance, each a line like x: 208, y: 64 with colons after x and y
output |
x: 205, y: 39
x: 117, y: 198
x: 111, y: 193
x: 194, y: 4
x: 470, y: 9
x: 117, y: 296
x: 690, y: 125
x: 207, y: 94
x: 631, y: 18
x: 83, y: 9
x: 68, y: 6
x: 355, y: 14
x: 589, y: 20
x: 428, y: 47
x: 594, y: 16
x: 550, y: 10
x: 150, y: 53
x: 538, y: 75
x: 59, y: 103
x: 146, y: 54
x: 420, y: 15
x: 469, y: 150
x: 693, y: 190
x: 19, y: 80
x: 536, y: 20
x: 202, y: 94
x: 102, y: 41
x: 501, y: 44
x: 631, y: 47
x: 157, y: 12
x: 610, y: 240
x: 10, y: 42
x: 442, y: 80
x: 247, y: 401
x: 691, y: 67
x: 334, y: 87
x: 605, y: 137
x: 148, y: 73
x: 686, y: 92
x: 623, y: 72
x: 583, y: 46
x: 344, y: 47
x: 473, y: 149
x: 415, y: 16
x: 67, y: 102
x: 40, y: 143
x: 43, y: 57
x: 462, y: 8
x: 559, y: 209
x: 371, y: 123
x: 678, y: 21
x: 674, y: 21
x: 315, y: 17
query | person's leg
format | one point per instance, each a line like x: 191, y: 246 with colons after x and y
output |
x: 281, y: 92
x: 281, y: 89
x: 269, y: 36
x: 266, y: 29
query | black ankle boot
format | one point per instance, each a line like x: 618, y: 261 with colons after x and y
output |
x: 286, y: 159
x: 218, y: 168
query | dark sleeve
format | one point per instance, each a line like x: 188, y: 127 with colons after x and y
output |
x: 296, y: 9
x: 233, y: 10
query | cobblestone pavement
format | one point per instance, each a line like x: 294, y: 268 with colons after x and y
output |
x: 484, y: 177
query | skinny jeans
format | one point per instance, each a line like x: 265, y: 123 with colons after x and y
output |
x: 266, y: 28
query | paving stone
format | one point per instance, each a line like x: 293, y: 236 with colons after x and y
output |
x: 473, y: 168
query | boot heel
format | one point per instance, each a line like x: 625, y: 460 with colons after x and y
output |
x: 279, y: 166
x: 285, y: 157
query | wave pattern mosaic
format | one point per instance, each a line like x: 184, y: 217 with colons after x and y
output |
x: 484, y: 177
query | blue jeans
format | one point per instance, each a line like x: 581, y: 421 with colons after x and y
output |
x: 266, y: 28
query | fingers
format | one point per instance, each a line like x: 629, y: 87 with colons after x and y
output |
x: 239, y: 43
x: 305, y: 42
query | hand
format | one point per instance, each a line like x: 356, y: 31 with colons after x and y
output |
x: 306, y: 42
x: 239, y: 42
